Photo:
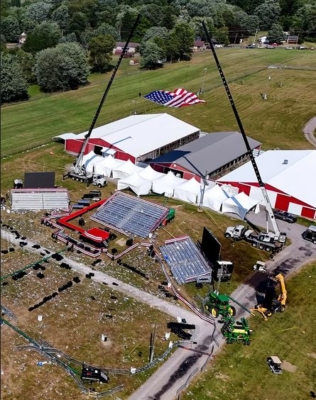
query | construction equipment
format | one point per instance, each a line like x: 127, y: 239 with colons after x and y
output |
x: 263, y: 241
x: 239, y: 333
x: 218, y: 304
x: 272, y: 302
x: 278, y: 236
x: 274, y: 364
x: 78, y: 171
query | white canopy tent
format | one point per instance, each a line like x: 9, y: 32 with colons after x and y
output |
x: 166, y: 184
x: 137, y: 184
x: 90, y: 160
x: 125, y: 169
x: 107, y: 165
x: 239, y: 204
x: 189, y: 191
x: 150, y: 173
x: 214, y: 198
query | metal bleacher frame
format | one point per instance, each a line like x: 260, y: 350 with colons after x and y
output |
x: 185, y: 261
x: 130, y: 215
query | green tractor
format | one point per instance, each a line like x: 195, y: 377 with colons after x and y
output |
x: 239, y: 333
x: 218, y: 304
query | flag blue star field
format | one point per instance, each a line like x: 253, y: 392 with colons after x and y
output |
x: 177, y: 98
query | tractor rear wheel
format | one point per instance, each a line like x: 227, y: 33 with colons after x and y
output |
x: 227, y: 235
x: 214, y: 312
x: 232, y: 311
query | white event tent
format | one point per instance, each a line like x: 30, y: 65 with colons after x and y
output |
x: 239, y: 204
x: 107, y: 165
x: 150, y: 174
x: 124, y: 170
x: 136, y: 183
x: 166, y: 184
x: 90, y: 160
x: 214, y: 198
x: 189, y: 191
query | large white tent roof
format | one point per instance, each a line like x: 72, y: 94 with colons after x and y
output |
x: 136, y: 183
x: 166, y: 184
x: 290, y: 171
x: 140, y: 134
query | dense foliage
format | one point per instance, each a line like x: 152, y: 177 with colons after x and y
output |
x: 13, y: 84
x: 166, y: 30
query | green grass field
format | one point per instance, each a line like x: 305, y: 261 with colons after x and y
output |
x: 276, y: 122
x: 241, y: 372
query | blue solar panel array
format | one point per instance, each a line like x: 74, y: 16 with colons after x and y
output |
x: 130, y: 214
x: 185, y: 260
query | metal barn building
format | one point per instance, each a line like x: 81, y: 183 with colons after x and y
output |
x: 208, y: 157
x: 289, y: 176
x: 136, y: 138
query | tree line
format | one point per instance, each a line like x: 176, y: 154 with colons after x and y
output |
x: 67, y: 39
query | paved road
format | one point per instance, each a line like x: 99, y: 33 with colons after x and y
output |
x: 174, y: 373
x: 309, y: 130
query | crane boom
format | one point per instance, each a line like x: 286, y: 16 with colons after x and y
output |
x: 78, y: 165
x: 242, y: 131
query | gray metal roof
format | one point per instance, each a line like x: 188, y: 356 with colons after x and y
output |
x: 208, y: 153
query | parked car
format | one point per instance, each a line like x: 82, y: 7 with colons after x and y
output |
x: 285, y: 216
x: 269, y: 46
x: 251, y: 46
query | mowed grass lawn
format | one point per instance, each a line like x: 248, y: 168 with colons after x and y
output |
x: 240, y: 372
x: 277, y: 122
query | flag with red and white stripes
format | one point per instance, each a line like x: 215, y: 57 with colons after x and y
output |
x: 177, y: 98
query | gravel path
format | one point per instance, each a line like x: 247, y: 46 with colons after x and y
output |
x: 309, y: 130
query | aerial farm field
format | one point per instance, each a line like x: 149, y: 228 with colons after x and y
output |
x: 74, y: 321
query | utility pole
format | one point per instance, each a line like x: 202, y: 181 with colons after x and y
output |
x: 203, y: 81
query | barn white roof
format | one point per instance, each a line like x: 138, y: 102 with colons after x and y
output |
x: 290, y: 171
x: 140, y: 134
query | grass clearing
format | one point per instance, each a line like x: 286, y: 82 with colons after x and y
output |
x: 29, y: 124
x: 241, y: 372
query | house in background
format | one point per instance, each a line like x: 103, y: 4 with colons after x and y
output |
x: 130, y: 51
x: 199, y: 45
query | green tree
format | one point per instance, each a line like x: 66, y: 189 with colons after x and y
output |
x: 156, y: 31
x: 152, y: 55
x: 268, y: 14
x: 101, y: 49
x: 64, y: 67
x: 3, y: 43
x: 169, y: 18
x: 78, y: 23
x: 45, y: 35
x: 183, y: 37
x: 276, y: 32
x: 27, y: 62
x: 106, y: 29
x: 61, y: 17
x: 38, y: 12
x: 13, y: 84
x: 10, y: 29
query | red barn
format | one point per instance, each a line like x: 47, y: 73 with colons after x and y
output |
x: 289, y: 176
x: 136, y: 138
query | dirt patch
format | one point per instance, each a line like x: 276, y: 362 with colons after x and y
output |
x: 222, y: 377
x: 288, y: 367
x: 121, y: 242
x: 313, y: 355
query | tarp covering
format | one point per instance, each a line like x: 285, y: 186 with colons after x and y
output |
x: 137, y: 184
x: 125, y: 169
x: 166, y: 184
x: 189, y: 191
x: 107, y: 165
x: 214, y: 198
x: 150, y: 173
x: 239, y: 204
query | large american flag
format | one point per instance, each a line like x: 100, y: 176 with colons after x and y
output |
x: 177, y: 98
